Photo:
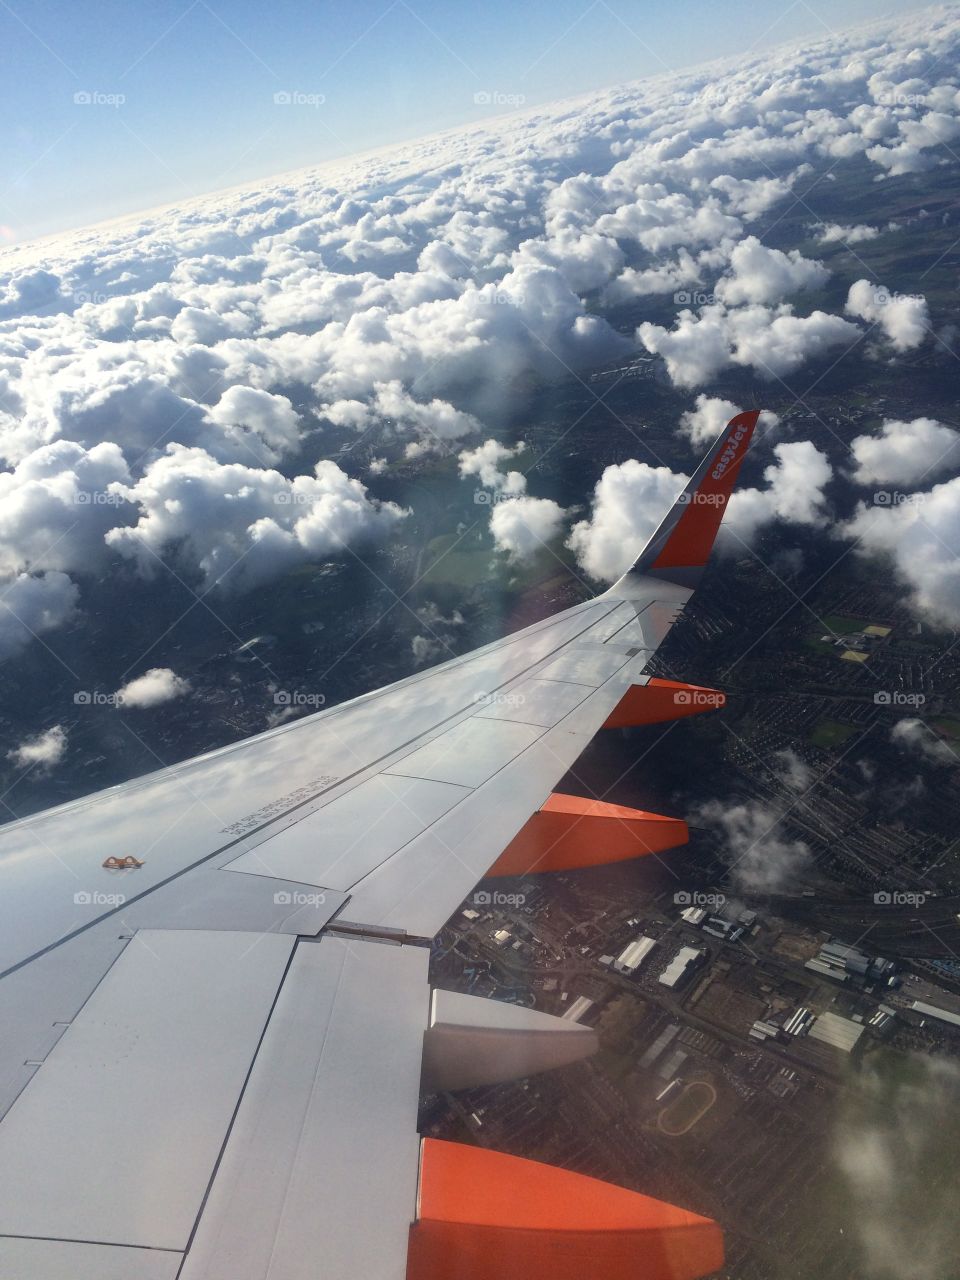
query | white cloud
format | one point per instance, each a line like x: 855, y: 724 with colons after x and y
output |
x: 835, y: 233
x: 920, y: 739
x: 41, y: 753
x: 631, y: 498
x: 902, y: 317
x: 154, y: 687
x: 484, y: 463
x: 761, y: 857
x: 629, y: 501
x: 750, y: 197
x: 522, y: 526
x: 773, y: 341
x: 271, y: 417
x: 56, y: 506
x: 711, y: 414
x: 920, y: 536
x: 759, y: 274
x: 905, y: 452
x: 238, y: 525
x: 250, y: 325
x: 794, y: 493
x: 793, y: 772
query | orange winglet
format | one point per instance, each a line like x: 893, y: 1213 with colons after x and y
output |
x: 487, y: 1216
x: 571, y: 831
x: 693, y: 536
x: 661, y: 700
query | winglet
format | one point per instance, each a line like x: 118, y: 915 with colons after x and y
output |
x: 680, y: 548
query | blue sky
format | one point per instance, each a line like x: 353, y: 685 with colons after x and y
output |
x: 183, y: 91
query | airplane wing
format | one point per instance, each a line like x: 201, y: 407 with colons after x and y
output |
x: 214, y: 999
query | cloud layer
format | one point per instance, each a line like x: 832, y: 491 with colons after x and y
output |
x: 168, y: 382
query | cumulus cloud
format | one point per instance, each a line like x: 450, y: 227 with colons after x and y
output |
x: 835, y: 233
x: 41, y: 753
x: 919, y: 537
x: 750, y: 197
x: 523, y: 525
x: 771, y: 340
x: 181, y: 360
x: 902, y: 317
x: 710, y: 415
x: 794, y: 493
x: 905, y: 452
x: 629, y: 501
x: 271, y: 417
x: 484, y: 463
x: 238, y: 525
x: 759, y: 274
x: 631, y: 498
x: 761, y: 857
x: 154, y: 687
x: 57, y: 504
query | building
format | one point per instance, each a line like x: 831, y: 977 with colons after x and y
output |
x: 842, y: 962
x: 632, y: 957
x: 931, y: 1011
x: 578, y: 1010
x: 658, y: 1046
x: 683, y: 964
x: 764, y: 1031
x: 798, y: 1023
x: 842, y: 1033
x: 694, y: 915
x: 671, y: 1065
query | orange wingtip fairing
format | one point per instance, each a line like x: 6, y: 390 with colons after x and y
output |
x: 661, y: 700
x: 690, y: 543
x: 488, y: 1216
x: 571, y: 831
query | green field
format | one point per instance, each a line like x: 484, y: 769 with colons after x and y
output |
x: 831, y: 733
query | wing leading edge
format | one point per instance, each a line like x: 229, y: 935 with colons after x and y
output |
x: 286, y: 864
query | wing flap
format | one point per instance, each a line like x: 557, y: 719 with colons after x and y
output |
x: 319, y: 1176
x: 115, y: 1137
